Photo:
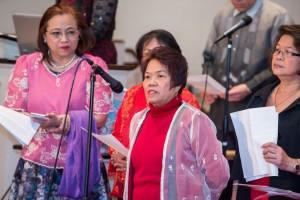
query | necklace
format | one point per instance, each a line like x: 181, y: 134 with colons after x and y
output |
x: 284, y: 99
x: 63, y: 66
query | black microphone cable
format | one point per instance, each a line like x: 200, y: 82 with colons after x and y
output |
x: 63, y: 131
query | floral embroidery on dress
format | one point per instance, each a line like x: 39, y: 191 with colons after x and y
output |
x: 11, y: 100
x: 54, y: 153
x: 88, y: 88
x: 39, y: 138
x: 36, y: 63
x: 45, y: 156
x: 101, y: 102
x: 31, y: 148
x: 97, y: 84
x: 57, y: 81
x: 98, y: 103
x: 57, y: 136
x: 82, y: 66
x: 22, y: 84
x: 104, y: 82
x: 106, y: 97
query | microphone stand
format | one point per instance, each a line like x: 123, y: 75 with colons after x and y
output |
x: 226, y: 113
x: 88, y: 149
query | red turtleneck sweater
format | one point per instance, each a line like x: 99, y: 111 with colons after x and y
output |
x: 147, y: 152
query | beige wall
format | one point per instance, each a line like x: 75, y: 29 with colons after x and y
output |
x: 188, y: 20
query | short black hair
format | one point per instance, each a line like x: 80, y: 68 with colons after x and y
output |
x: 174, y: 61
x: 162, y: 36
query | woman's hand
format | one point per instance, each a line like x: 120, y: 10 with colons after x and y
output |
x: 119, y: 161
x: 54, y: 124
x: 237, y: 93
x: 276, y: 155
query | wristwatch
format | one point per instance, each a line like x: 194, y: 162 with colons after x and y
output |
x: 297, y: 167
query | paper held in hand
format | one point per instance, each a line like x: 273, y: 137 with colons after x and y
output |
x: 18, y: 124
x: 252, y: 131
x: 111, y: 141
x: 199, y: 81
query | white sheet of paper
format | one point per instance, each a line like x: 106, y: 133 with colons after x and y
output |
x: 18, y: 124
x: 198, y: 81
x: 271, y: 191
x: 111, y: 141
x: 255, y: 127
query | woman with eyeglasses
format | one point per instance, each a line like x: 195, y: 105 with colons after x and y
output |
x: 284, y: 94
x: 41, y: 83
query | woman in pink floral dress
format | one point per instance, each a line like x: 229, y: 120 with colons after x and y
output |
x: 41, y: 83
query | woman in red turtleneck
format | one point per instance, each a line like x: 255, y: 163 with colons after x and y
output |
x: 135, y: 101
x: 174, y: 152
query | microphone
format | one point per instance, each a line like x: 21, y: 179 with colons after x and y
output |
x: 244, y: 22
x: 115, y: 85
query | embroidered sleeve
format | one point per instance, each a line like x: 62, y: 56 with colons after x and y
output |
x: 102, y: 94
x: 17, y: 91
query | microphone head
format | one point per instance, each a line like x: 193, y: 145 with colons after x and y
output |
x: 247, y: 19
x: 118, y: 88
x: 115, y: 85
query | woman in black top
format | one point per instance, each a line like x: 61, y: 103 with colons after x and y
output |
x: 284, y: 94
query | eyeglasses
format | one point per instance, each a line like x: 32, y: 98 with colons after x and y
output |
x: 70, y: 34
x: 285, y: 53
